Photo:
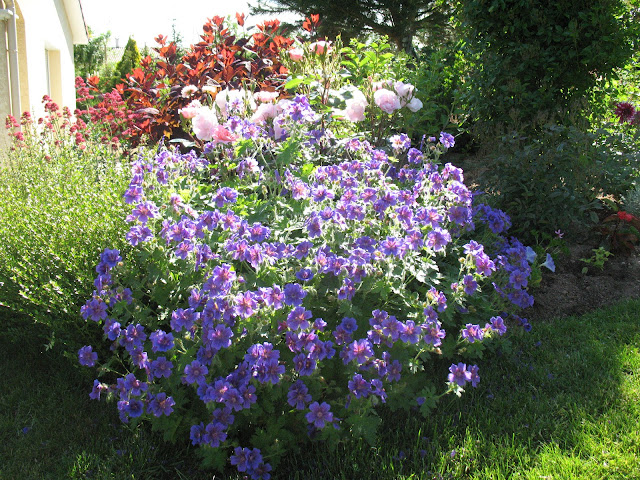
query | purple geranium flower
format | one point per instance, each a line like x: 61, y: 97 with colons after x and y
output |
x: 319, y: 414
x: 87, y: 357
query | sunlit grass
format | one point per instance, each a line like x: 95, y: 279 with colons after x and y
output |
x: 562, y: 403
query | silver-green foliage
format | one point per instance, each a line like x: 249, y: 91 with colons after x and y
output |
x: 59, y: 207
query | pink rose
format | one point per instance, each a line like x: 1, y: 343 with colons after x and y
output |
x: 387, y: 100
x: 415, y: 104
x: 264, y: 112
x: 403, y: 89
x: 296, y: 54
x: 356, y: 107
x: 190, y: 110
x: 221, y: 135
x: 355, y: 110
x: 320, y: 47
x: 203, y: 123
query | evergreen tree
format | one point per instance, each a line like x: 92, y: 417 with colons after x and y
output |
x: 397, y: 19
x: 89, y: 59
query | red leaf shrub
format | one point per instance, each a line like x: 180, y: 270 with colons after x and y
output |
x: 155, y: 90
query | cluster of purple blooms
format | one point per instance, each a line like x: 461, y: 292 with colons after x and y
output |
x: 412, y: 215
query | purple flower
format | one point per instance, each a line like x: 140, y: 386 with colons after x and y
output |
x: 240, y: 458
x: 433, y: 334
x: 298, y: 395
x: 304, y: 275
x: 195, y: 372
x: 360, y: 350
x: 245, y: 304
x: 474, y: 377
x: 97, y: 390
x: 214, y: 434
x: 548, y: 263
x: 95, y: 309
x: 87, y: 357
x: 400, y: 142
x: 414, y: 155
x: 273, y: 297
x: 139, y: 233
x: 143, y: 212
x: 459, y: 374
x: 472, y: 333
x: 298, y: 318
x: 393, y: 371
x: 349, y: 324
x: 110, y: 257
x: 161, y: 341
x: 470, y: 285
x: 304, y: 365
x: 438, y: 239
x: 132, y: 407
x: 497, y: 324
x: 359, y: 386
x: 134, y: 386
x: 133, y: 194
x: 161, y: 405
x: 161, y: 367
x: 196, y: 434
x: 293, y: 294
x: 319, y: 414
x: 219, y: 337
x: 447, y: 140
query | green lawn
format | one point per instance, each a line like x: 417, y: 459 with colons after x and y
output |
x: 562, y: 403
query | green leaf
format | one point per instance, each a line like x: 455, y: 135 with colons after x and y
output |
x: 293, y: 83
x: 365, y: 426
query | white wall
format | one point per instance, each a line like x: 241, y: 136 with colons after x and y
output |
x: 46, y: 28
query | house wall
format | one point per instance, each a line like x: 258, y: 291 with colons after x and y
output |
x: 5, y: 94
x: 46, y: 51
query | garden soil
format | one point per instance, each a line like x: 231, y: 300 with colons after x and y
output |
x: 569, y: 291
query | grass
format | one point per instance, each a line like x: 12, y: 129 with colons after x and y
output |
x: 562, y: 403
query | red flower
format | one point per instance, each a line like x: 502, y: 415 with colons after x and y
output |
x: 627, y: 217
x: 624, y: 111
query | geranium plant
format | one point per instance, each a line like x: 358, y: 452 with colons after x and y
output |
x: 284, y: 286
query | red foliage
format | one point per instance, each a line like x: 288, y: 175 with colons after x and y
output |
x: 154, y: 91
x: 311, y: 23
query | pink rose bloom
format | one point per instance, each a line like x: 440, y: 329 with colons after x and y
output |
x: 266, y: 97
x: 415, y: 104
x: 221, y: 135
x: 320, y: 47
x: 403, y: 89
x: 356, y: 107
x: 381, y: 84
x: 355, y: 111
x: 296, y: 54
x: 204, y: 123
x: 387, y: 100
x: 264, y: 112
x: 190, y: 110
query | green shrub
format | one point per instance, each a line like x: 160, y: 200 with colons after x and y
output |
x: 540, y: 58
x: 61, y: 205
x: 555, y: 180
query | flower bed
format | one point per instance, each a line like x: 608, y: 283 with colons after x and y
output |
x: 286, y: 284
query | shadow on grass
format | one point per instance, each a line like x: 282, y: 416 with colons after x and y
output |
x: 561, y: 403
x: 50, y: 429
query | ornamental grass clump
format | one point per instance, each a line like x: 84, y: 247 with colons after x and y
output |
x: 286, y: 286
